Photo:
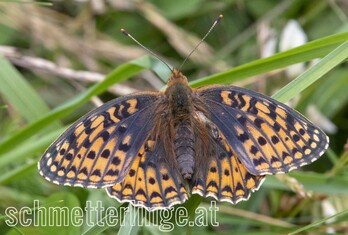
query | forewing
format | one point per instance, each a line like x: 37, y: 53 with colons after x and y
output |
x: 266, y: 135
x: 99, y: 148
x: 224, y: 177
x: 152, y: 182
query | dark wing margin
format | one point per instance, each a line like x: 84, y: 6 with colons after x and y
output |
x: 152, y: 182
x: 266, y: 135
x: 99, y: 148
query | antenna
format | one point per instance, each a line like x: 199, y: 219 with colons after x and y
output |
x: 146, y: 49
x: 202, y: 40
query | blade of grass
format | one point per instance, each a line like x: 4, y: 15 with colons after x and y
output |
x: 27, y: 149
x: 314, y: 182
x: 17, y: 172
x: 316, y: 223
x: 20, y: 94
x: 309, y: 51
x: 28, y: 2
x: 330, y: 96
x: 97, y: 229
x: 130, y: 225
x: 120, y: 73
x: 103, y: 223
x: 255, y: 216
x: 311, y: 75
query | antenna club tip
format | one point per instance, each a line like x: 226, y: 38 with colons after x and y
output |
x: 221, y: 16
x: 124, y: 31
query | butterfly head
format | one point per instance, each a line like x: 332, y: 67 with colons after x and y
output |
x: 177, y: 77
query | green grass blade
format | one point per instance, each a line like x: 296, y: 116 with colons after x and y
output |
x: 309, y: 51
x: 47, y: 4
x: 17, y: 172
x: 130, y: 225
x: 97, y: 229
x: 20, y: 94
x: 314, y: 182
x: 330, y: 61
x: 28, y: 148
x: 120, y: 73
x: 102, y: 224
x: 316, y: 223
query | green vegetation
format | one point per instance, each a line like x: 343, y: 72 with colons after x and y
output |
x: 53, y: 58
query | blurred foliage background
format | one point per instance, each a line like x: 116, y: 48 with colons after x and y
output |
x: 58, y: 61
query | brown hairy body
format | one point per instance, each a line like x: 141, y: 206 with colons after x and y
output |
x: 181, y: 127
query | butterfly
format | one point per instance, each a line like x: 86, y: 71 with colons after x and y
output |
x: 155, y: 148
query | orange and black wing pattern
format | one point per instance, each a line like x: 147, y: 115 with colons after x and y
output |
x: 267, y: 136
x: 152, y: 182
x: 224, y: 177
x: 99, y: 148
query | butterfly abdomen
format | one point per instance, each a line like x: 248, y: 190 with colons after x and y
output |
x: 184, y: 148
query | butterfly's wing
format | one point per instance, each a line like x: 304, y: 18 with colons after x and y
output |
x: 224, y: 177
x: 267, y: 136
x: 152, y: 182
x: 99, y: 148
